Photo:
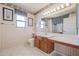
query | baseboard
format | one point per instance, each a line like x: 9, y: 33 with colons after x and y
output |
x: 59, y: 53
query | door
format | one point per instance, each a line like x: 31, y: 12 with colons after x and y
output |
x: 8, y: 34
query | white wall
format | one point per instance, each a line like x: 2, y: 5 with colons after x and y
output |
x: 69, y: 24
x: 11, y: 36
x: 50, y: 26
x: 78, y: 17
x: 0, y: 37
x: 66, y: 50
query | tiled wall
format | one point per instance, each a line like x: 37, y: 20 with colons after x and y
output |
x: 66, y: 50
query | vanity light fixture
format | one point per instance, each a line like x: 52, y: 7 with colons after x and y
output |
x: 67, y: 4
x: 62, y: 6
x: 46, y: 13
x: 58, y: 8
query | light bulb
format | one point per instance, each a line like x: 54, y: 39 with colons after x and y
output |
x: 51, y: 11
x: 67, y: 4
x: 62, y: 6
x: 58, y: 8
x: 54, y: 9
x: 48, y: 12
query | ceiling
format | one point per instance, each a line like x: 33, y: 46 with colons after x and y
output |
x: 32, y: 7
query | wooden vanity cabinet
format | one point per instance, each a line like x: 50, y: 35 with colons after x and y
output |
x: 44, y: 44
x: 37, y: 41
x: 50, y: 46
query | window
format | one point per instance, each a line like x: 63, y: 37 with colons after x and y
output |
x: 42, y: 24
x: 20, y: 21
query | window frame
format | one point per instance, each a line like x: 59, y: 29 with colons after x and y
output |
x: 42, y: 24
x: 20, y: 21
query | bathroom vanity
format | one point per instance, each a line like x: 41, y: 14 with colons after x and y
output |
x: 47, y: 43
x: 44, y: 44
x: 60, y: 32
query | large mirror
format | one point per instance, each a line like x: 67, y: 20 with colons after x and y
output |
x: 63, y: 24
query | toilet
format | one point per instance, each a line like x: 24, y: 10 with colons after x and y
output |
x: 31, y: 42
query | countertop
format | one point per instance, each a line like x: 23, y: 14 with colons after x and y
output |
x: 68, y: 39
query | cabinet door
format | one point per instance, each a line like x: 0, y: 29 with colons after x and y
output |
x: 37, y: 42
x: 43, y: 44
x: 50, y: 46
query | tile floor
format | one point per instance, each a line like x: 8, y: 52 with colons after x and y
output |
x: 25, y: 51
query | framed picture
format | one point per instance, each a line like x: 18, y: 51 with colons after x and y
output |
x: 30, y: 21
x: 7, y: 14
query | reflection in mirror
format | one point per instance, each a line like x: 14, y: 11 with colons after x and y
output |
x: 64, y: 24
x: 57, y: 23
x: 42, y: 23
